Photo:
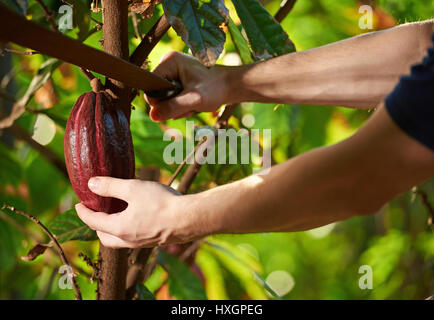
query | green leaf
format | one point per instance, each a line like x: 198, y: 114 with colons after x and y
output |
x: 81, y: 18
x: 183, y: 284
x: 240, y: 43
x: 243, y: 267
x: 198, y: 23
x: 46, y: 184
x: 19, y: 6
x: 144, y: 293
x: 149, y: 151
x: 9, y: 245
x: 68, y: 226
x: 10, y: 168
x: 266, y: 36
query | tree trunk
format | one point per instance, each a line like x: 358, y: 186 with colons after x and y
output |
x: 113, y: 262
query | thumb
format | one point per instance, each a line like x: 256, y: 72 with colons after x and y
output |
x: 112, y: 187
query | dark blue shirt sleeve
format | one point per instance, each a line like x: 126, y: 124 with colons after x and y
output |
x: 411, y: 103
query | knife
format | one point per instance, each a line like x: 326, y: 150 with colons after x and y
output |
x: 17, y: 29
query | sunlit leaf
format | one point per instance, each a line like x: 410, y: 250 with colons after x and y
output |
x: 266, y: 36
x: 198, y: 23
x: 240, y: 43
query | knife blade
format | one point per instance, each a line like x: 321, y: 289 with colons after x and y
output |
x: 17, y: 29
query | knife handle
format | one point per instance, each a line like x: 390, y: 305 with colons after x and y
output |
x: 166, y: 93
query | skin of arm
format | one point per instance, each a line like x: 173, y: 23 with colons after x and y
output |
x: 356, y: 72
x: 352, y: 178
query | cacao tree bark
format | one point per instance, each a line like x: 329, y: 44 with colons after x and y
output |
x: 113, y: 262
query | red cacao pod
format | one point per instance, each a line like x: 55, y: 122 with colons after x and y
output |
x: 98, y: 143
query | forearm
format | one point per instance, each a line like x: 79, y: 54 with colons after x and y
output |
x: 296, y: 195
x: 355, y: 177
x: 356, y: 72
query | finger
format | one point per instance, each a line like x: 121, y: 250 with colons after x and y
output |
x: 168, y: 66
x: 112, y: 241
x: 100, y: 221
x: 151, y: 101
x: 112, y: 187
x: 183, y: 103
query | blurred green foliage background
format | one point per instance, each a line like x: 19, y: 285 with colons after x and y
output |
x: 324, y: 263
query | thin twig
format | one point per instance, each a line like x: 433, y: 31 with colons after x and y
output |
x: 284, y: 10
x: 93, y: 265
x: 191, y: 250
x: 89, y: 262
x: 149, y: 41
x: 89, y: 75
x: 7, y: 78
x: 52, y: 238
x: 135, y: 25
x: 184, y: 162
x: 98, y: 24
x: 426, y: 203
x: 151, y: 266
x: 136, y: 271
x: 49, y: 15
x: 68, y: 3
x: 37, y: 239
x: 24, y: 53
x: 192, y: 171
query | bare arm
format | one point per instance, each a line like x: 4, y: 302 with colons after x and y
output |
x: 354, y: 177
x: 356, y: 72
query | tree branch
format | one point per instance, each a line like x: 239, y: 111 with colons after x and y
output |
x: 284, y: 10
x: 111, y: 283
x: 192, y: 171
x: 136, y: 272
x: 184, y: 162
x: 149, y: 41
x: 135, y: 25
x: 52, y: 238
